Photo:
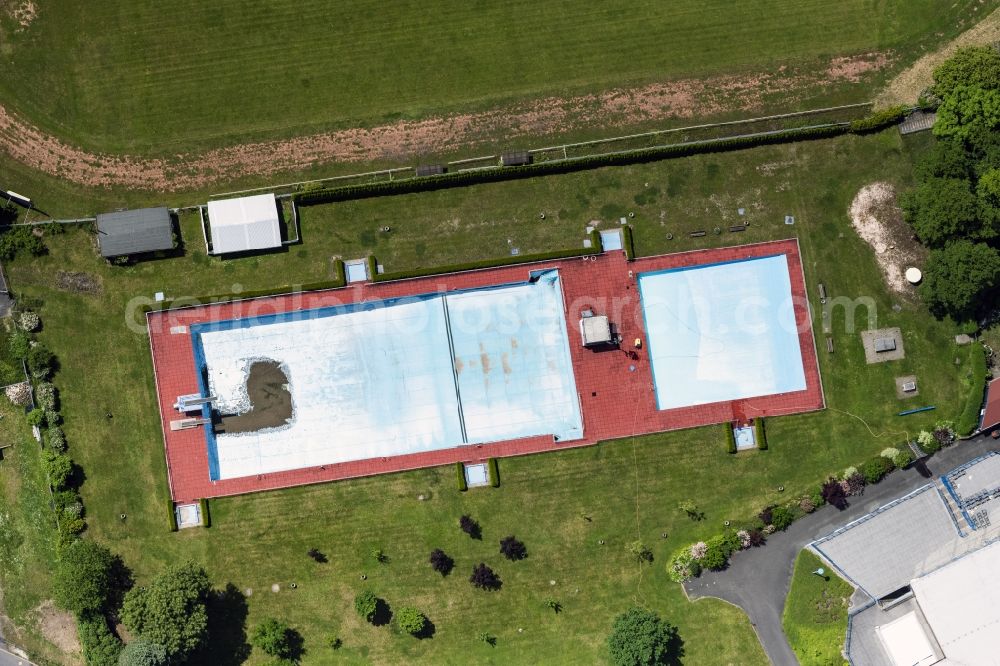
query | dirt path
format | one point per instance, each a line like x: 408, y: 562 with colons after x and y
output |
x: 628, y: 107
x: 905, y: 88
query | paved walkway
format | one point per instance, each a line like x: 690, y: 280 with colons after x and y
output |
x: 757, y: 580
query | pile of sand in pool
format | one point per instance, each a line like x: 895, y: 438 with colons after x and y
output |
x: 879, y: 222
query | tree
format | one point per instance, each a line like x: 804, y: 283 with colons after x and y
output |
x: 83, y: 577
x: 946, y: 159
x: 485, y: 578
x: 366, y: 604
x: 513, y: 549
x: 959, y: 278
x: 440, y: 562
x: 273, y: 638
x: 470, y: 527
x: 690, y: 509
x: 977, y: 66
x: 100, y: 646
x: 967, y: 113
x: 58, y: 466
x: 988, y: 193
x: 170, y: 611
x: 833, y: 493
x: 640, y: 551
x: 640, y: 638
x: 143, y: 653
x: 410, y: 620
x: 941, y: 210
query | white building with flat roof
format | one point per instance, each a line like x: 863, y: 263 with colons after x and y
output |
x: 244, y: 224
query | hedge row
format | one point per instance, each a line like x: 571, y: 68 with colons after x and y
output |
x: 968, y: 422
x: 462, y: 485
x: 338, y: 281
x: 171, y: 515
x: 628, y: 243
x: 730, y: 438
x: 759, y: 433
x: 494, y: 473
x: 879, y: 120
x: 569, y: 165
x: 206, y: 519
x: 594, y: 249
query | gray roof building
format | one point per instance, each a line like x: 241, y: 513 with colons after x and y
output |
x: 134, y: 231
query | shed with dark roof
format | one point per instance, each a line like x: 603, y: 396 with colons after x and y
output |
x: 138, y: 231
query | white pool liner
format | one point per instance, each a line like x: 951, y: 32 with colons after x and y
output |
x: 721, y: 332
x: 381, y: 382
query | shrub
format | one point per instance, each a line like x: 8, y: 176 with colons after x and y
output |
x: 879, y: 120
x: 698, y: 550
x: 834, y: 493
x: 806, y: 504
x: 757, y: 538
x: 875, y: 469
x: 46, y: 396
x: 640, y: 551
x: 410, y: 620
x: 854, y: 484
x: 494, y: 473
x: 682, y: 566
x: 273, y: 638
x: 366, y: 604
x: 760, y: 433
x: 462, y: 484
x: 640, y: 638
x: 206, y: 517
x: 20, y: 344
x: 441, y: 562
x: 19, y: 240
x: 766, y: 515
x: 82, y: 580
x: 744, y: 537
x: 485, y: 578
x: 944, y: 434
x: 171, y: 515
x: 35, y: 417
x: 927, y: 442
x: 19, y: 394
x: 51, y: 417
x: 59, y: 468
x: 730, y: 438
x: 41, y: 362
x: 100, y: 647
x: 816, y: 497
x: 317, y: 555
x: 470, y: 527
x: 143, y: 653
x: 690, y: 509
x: 968, y: 422
x: 28, y: 321
x: 781, y: 517
x: 849, y: 472
x: 513, y: 549
x: 379, y: 556
x: 715, y: 555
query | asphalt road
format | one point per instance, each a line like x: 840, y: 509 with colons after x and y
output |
x: 757, y: 580
x: 10, y: 659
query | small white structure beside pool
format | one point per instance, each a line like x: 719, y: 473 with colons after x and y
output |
x: 721, y: 332
x: 396, y: 377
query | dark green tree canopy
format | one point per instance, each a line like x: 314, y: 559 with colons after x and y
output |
x: 170, y: 611
x: 941, y: 209
x: 976, y: 66
x: 960, y: 278
x: 83, y: 577
x: 946, y: 159
x: 273, y: 638
x: 640, y: 638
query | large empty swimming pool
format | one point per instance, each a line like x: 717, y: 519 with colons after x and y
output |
x: 395, y: 377
x: 720, y: 332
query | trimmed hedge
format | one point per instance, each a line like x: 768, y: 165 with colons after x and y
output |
x: 594, y: 249
x: 879, y: 120
x: 625, y: 157
x: 172, y: 515
x: 628, y: 243
x: 760, y: 434
x: 206, y: 519
x: 494, y: 473
x: 968, y: 422
x: 462, y: 485
x: 730, y: 438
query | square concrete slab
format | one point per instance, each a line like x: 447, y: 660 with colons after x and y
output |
x: 889, y: 339
x: 906, y: 387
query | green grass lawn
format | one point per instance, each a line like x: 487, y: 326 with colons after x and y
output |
x: 157, y: 77
x: 815, y: 617
x: 262, y: 539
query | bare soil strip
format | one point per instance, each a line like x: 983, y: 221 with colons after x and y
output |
x: 684, y: 98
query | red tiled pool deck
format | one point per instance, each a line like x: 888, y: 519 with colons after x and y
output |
x: 615, y: 389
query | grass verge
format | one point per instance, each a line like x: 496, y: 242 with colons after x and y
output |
x: 815, y: 616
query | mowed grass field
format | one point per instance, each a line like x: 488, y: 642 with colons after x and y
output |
x: 154, y: 77
x: 562, y: 504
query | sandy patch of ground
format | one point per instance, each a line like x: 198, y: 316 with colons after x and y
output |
x: 879, y: 222
x: 905, y: 88
x: 22, y: 12
x: 624, y: 107
x: 58, y: 627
